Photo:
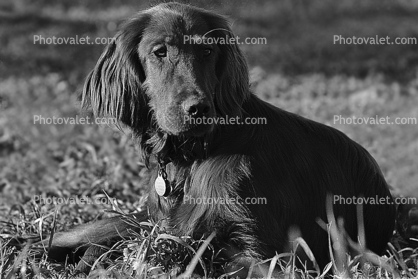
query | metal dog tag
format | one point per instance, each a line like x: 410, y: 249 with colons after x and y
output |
x: 162, y: 186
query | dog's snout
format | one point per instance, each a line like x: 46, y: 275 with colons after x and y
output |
x: 197, y: 109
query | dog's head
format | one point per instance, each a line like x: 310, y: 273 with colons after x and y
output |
x: 170, y: 67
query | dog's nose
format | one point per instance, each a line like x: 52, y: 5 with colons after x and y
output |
x: 197, y: 109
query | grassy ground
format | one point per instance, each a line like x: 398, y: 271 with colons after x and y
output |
x: 299, y: 69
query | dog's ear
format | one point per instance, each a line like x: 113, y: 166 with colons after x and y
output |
x: 113, y: 88
x: 231, y: 68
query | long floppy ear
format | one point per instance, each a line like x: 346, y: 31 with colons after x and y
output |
x: 113, y: 88
x: 232, y: 68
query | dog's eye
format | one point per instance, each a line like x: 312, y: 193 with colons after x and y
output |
x: 161, y: 52
x: 207, y: 52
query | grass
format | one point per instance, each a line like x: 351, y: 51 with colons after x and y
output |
x: 156, y: 254
x: 299, y: 69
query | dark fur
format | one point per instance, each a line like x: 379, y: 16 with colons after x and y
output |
x: 407, y: 224
x: 292, y: 161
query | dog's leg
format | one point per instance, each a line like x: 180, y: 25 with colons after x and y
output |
x: 87, y: 242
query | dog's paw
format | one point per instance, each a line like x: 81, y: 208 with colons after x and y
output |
x: 407, y: 223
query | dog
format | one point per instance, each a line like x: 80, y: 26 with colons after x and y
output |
x: 169, y: 78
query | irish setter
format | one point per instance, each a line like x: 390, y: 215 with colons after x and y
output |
x: 170, y: 75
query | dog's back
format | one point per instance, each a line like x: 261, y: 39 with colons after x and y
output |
x: 296, y: 163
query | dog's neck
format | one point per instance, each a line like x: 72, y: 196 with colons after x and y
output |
x: 173, y: 149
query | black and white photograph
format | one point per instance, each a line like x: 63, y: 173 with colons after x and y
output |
x: 208, y: 139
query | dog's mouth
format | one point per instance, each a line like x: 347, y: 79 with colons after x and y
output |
x: 188, y: 126
x: 189, y: 130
